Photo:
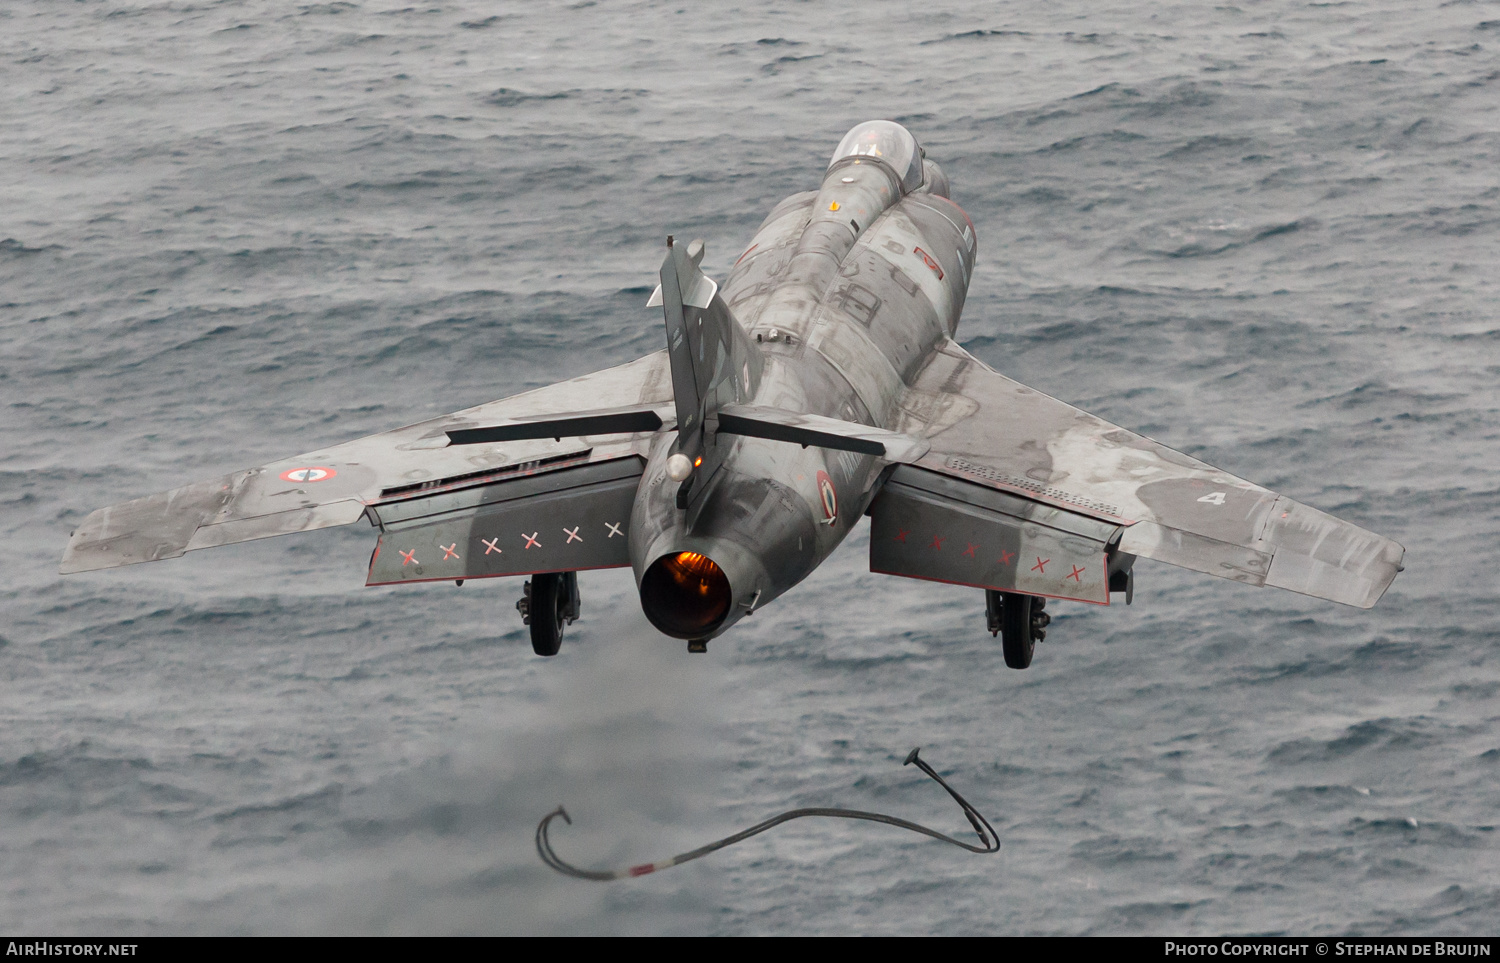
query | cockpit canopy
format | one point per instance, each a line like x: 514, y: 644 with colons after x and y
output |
x: 889, y: 143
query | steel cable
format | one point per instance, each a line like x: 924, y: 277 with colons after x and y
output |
x: 989, y: 841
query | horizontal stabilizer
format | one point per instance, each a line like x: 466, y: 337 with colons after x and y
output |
x: 776, y: 424
x: 570, y: 426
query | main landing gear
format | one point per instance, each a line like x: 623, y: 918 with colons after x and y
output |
x: 551, y: 602
x: 1020, y: 622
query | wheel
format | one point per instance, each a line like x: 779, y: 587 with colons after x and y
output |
x: 1022, y: 625
x: 547, y: 608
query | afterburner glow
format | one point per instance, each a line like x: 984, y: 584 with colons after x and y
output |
x: 685, y: 595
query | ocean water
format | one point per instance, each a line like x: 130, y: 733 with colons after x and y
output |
x: 1264, y: 233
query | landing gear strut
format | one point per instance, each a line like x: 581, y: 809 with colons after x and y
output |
x: 551, y: 602
x: 1020, y: 622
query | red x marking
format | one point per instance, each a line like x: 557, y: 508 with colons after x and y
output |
x: 1077, y: 574
x: 449, y: 551
x: 937, y: 541
x: 901, y: 535
x: 573, y: 535
x: 1005, y: 557
x: 531, y: 541
x: 408, y: 557
x: 969, y: 552
x: 1041, y: 565
x: 492, y: 545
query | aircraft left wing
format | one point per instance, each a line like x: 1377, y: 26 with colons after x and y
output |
x: 986, y: 429
x: 421, y: 462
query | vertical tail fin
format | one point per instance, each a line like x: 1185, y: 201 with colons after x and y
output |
x: 686, y: 295
x: 713, y: 361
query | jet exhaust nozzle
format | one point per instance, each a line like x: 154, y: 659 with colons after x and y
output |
x: 686, y: 595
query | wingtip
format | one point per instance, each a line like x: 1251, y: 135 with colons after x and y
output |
x: 75, y: 562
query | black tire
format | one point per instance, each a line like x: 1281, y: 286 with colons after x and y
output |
x: 548, y: 604
x: 1022, y: 624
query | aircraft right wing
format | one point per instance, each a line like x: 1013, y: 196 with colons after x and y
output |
x: 991, y: 431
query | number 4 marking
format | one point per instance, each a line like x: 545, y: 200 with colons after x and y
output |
x: 1217, y: 498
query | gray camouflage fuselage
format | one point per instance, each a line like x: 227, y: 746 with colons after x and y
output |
x: 844, y: 291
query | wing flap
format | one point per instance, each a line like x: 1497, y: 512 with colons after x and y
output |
x: 579, y: 519
x: 993, y: 431
x: 925, y: 526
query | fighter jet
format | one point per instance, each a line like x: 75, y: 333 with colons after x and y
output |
x: 819, y: 384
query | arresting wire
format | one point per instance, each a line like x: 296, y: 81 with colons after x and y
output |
x: 989, y: 842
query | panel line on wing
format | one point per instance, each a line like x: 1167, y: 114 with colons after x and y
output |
x: 1030, y: 485
x: 484, y: 474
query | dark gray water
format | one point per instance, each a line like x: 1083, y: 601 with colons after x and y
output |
x: 1265, y: 234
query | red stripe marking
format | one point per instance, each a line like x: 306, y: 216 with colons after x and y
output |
x: 642, y: 869
x: 972, y: 233
x: 449, y: 578
x: 927, y: 259
x: 920, y: 578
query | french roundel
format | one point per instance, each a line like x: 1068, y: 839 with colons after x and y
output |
x: 828, y: 496
x: 311, y: 473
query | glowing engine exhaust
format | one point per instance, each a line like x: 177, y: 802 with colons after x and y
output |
x: 685, y: 595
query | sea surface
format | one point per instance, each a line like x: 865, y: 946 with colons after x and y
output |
x: 1265, y: 233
